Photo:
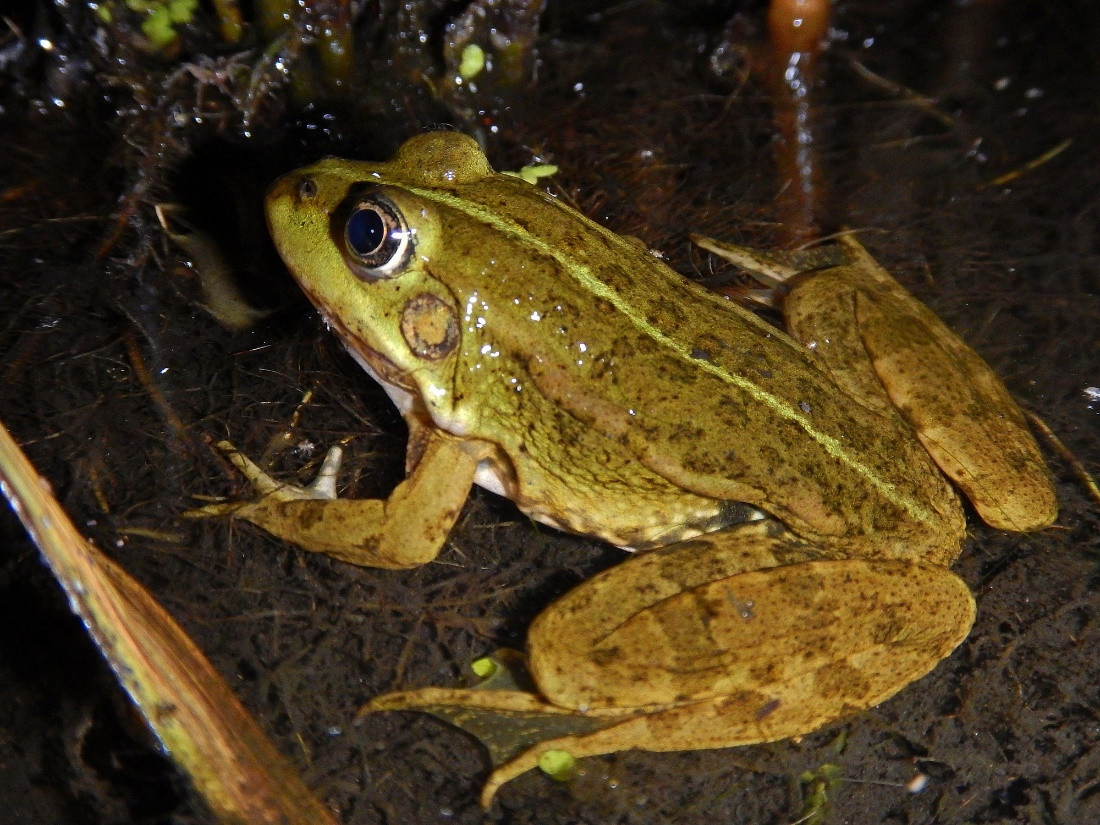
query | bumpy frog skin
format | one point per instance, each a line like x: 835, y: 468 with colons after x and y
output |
x: 790, y: 491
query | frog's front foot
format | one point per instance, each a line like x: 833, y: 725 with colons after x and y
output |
x: 323, y: 487
x: 405, y: 530
x: 284, y: 510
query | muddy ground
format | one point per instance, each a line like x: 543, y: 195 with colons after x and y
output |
x: 114, y: 378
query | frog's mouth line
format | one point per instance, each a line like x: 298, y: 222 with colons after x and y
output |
x: 374, y: 363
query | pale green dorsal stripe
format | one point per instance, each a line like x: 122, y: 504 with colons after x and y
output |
x: 584, y: 276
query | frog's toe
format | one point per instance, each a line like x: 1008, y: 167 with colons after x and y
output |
x: 323, y: 487
x: 269, y: 490
x: 216, y: 510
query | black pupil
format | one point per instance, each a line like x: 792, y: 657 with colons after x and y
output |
x: 366, y: 230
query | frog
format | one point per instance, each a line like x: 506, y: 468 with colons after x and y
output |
x: 790, y: 497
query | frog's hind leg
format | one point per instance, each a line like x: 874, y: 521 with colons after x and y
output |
x: 891, y: 353
x: 747, y: 656
x: 695, y: 646
x: 884, y: 346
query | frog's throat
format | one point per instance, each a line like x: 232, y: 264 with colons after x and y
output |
x: 376, y: 365
x: 589, y: 281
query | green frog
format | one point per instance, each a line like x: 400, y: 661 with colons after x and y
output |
x: 791, y: 496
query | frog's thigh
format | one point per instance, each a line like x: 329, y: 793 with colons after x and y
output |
x: 405, y: 530
x: 761, y: 654
x: 882, y: 345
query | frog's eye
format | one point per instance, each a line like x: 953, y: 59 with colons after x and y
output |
x: 377, y: 240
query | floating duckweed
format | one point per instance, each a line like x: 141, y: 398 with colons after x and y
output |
x: 161, y: 17
x: 532, y: 173
x: 484, y: 667
x: 472, y: 63
x: 816, y: 787
x: 558, y: 765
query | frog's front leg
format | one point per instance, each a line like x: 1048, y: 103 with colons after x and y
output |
x: 405, y: 530
x: 733, y: 638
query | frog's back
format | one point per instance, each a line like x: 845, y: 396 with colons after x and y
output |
x: 699, y: 391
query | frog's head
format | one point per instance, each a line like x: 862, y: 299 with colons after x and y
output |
x: 363, y: 240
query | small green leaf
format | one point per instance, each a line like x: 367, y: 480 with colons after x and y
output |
x: 181, y: 11
x: 472, y: 62
x: 158, y: 27
x: 483, y: 668
x: 558, y: 765
x: 534, y: 172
